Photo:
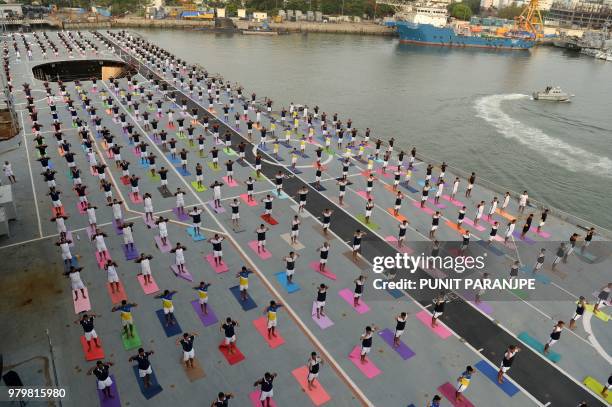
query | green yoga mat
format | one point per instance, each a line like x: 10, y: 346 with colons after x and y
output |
x: 131, y: 342
x: 370, y: 225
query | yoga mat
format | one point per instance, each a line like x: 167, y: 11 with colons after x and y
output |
x: 504, y: 214
x: 247, y: 304
x: 408, y: 187
x: 193, y: 373
x: 131, y: 342
x: 195, y: 237
x: 455, y: 202
x: 125, y: 180
x: 437, y: 205
x: 95, y: 353
x: 183, y: 172
x: 542, y: 233
x: 368, y: 368
x: 317, y: 395
x: 600, y: 314
x: 254, y: 397
x: 528, y: 240
x: 154, y: 387
x: 347, y: 295
x: 230, y: 152
x: 62, y: 212
x: 608, y: 302
x: 538, y: 276
x: 81, y: 207
x: 282, y: 194
x: 287, y: 238
x: 207, y: 319
x: 82, y: 304
x: 320, y: 188
x: 130, y: 252
x: 403, y: 350
x: 399, y: 217
x: 135, y: 198
x: 220, y: 209
x: 448, y: 391
x: 182, y: 216
x: 165, y: 193
x: 185, y: 275
x: 261, y: 325
x: 520, y: 293
x: 263, y: 254
x: 245, y: 199
x: 282, y: 280
x: 362, y: 194
x: 395, y: 293
x: 469, y: 221
x: 195, y: 186
x: 370, y: 225
x: 482, y: 305
x: 326, y: 272
x: 117, y: 296
x: 212, y: 167
x: 233, y: 358
x: 148, y: 288
x: 453, y: 225
x: 109, y: 402
x: 425, y: 209
x: 172, y: 329
x: 491, y: 373
x: 229, y: 183
x: 164, y: 248
x: 440, y: 329
x: 533, y: 343
x: 490, y: 247
x: 269, y: 219
x: 324, y: 322
x: 403, y: 249
x: 218, y: 269
x: 597, y: 387
x: 118, y: 230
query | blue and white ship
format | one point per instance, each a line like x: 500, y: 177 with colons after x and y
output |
x: 429, y: 25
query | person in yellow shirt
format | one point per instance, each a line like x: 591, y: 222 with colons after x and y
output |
x: 202, y: 291
x: 168, y: 306
x: 125, y: 310
x: 464, y: 381
x: 271, y: 312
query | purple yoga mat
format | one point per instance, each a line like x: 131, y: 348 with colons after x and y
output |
x: 324, y: 322
x: 181, y: 216
x: 130, y: 253
x: 517, y: 236
x: 117, y: 228
x: 107, y: 402
x: 403, y: 350
x: 483, y: 306
x: 220, y: 209
x: 208, y: 319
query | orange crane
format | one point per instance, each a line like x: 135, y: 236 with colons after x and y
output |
x: 530, y: 20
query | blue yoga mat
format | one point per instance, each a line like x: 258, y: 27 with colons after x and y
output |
x: 151, y: 391
x: 489, y: 371
x: 173, y: 160
x: 172, y: 330
x: 490, y: 248
x: 538, y: 276
x: 408, y: 187
x: 529, y: 340
x: 320, y: 188
x: 282, y: 279
x: 246, y: 305
x: 282, y: 195
x: 395, y: 293
x: 196, y: 238
x: 422, y: 183
x: 183, y: 172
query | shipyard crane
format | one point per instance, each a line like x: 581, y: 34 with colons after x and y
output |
x: 530, y: 20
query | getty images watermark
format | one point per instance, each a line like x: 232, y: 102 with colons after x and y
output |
x: 461, y: 272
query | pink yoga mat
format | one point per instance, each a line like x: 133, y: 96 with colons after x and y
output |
x: 318, y: 395
x: 324, y: 322
x: 261, y: 325
x: 150, y: 223
x: 163, y: 248
x: 327, y: 272
x: 448, y: 391
x: 102, y: 259
x: 455, y: 202
x: 148, y: 288
x: 403, y: 249
x: 347, y: 295
x: 425, y: 209
x: 245, y: 199
x: 185, y: 275
x: 218, y: 269
x: 362, y: 194
x: 229, y: 183
x: 81, y: 207
x: 264, y: 255
x: 368, y: 368
x: 135, y: 198
x: 440, y: 329
x: 542, y: 233
x: 254, y: 397
x: 468, y: 221
x: 82, y: 304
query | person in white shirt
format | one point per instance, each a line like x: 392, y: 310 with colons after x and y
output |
x: 523, y: 201
x: 509, y: 230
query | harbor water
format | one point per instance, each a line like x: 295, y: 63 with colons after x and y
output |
x: 471, y: 108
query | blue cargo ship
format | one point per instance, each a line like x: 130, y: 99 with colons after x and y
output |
x: 426, y: 25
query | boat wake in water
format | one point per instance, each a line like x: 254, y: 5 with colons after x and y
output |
x: 556, y: 151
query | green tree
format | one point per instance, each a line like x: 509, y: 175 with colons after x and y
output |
x: 510, y: 12
x: 460, y: 11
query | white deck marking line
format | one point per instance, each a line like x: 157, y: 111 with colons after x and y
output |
x: 26, y: 146
x: 263, y: 278
x: 586, y: 324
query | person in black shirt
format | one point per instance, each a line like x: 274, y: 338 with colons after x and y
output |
x: 507, y: 362
x: 101, y: 371
x: 439, y: 303
x: 87, y: 322
x: 222, y: 400
x: 400, y: 324
x: 186, y: 343
x: 314, y: 364
x: 144, y: 366
x: 266, y: 387
x: 229, y: 331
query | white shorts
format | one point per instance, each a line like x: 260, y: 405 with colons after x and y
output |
x: 551, y: 342
x: 230, y: 173
x: 433, y: 227
x: 168, y: 310
x: 341, y: 193
x: 203, y: 300
x: 295, y: 233
x: 538, y: 266
x: 266, y: 394
x: 320, y: 304
x: 312, y: 376
x: 143, y: 373
x: 356, y: 247
x: 188, y: 355
x: 503, y: 368
x: 90, y: 335
x: 103, y: 384
x: 126, y: 322
x: 113, y: 278
x: 322, y: 261
x: 368, y: 213
x: 217, y: 253
x: 57, y: 204
x: 271, y: 323
x: 261, y: 243
x: 244, y: 287
x: 199, y: 178
x: 399, y: 333
x: 289, y: 272
x: 230, y: 340
x: 437, y: 314
x: 365, y: 351
x: 78, y: 285
x: 235, y: 216
x: 461, y: 387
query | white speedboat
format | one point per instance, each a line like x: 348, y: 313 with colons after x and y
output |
x: 554, y: 94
